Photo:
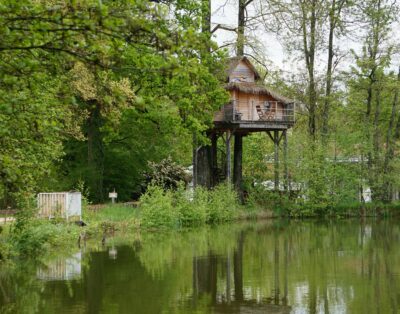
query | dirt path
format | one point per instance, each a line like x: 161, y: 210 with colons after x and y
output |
x: 4, y: 220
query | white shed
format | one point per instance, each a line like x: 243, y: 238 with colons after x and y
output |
x: 60, y: 204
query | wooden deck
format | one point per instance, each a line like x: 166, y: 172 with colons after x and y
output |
x: 252, y: 126
x: 254, y: 116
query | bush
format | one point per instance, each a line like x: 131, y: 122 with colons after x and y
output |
x: 223, y: 204
x: 166, y: 174
x: 157, y: 208
x: 192, y: 210
x: 278, y: 202
x: 178, y: 208
x: 31, y: 236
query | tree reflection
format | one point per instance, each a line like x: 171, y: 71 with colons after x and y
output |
x: 273, y: 267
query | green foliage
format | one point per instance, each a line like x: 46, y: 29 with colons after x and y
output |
x: 172, y: 209
x: 166, y: 174
x: 116, y: 213
x: 265, y: 200
x: 223, y: 204
x: 84, y: 101
x: 192, y: 208
x: 38, y: 235
x: 157, y: 209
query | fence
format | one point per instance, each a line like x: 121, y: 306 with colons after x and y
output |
x: 63, y: 204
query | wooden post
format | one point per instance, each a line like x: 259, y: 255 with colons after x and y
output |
x: 285, y: 162
x: 194, y: 160
x: 214, y: 159
x: 276, y: 160
x: 228, y: 155
x: 237, y: 165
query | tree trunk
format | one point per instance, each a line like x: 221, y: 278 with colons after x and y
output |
x: 334, y: 15
x: 372, y: 155
x: 203, y: 171
x: 375, y: 186
x: 194, y: 159
x: 276, y: 160
x: 390, y: 141
x: 237, y: 165
x: 241, y: 28
x: 309, y: 54
x: 228, y: 155
x: 285, y: 162
x: 95, y: 146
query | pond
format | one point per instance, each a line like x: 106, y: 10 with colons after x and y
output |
x: 342, y: 266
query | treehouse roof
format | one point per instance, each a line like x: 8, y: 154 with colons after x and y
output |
x: 234, y: 62
x: 240, y: 77
x: 256, y: 89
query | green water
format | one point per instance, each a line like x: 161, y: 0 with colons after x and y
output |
x: 271, y: 267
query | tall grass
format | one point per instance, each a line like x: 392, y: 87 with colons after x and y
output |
x: 173, y: 209
x: 111, y: 212
x: 30, y: 236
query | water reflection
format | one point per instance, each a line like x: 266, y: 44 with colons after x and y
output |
x: 62, y: 268
x: 273, y: 267
x: 112, y: 252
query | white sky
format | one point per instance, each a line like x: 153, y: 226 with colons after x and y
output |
x: 274, y: 51
x: 228, y: 16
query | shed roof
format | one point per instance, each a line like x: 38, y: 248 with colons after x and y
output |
x: 254, y: 88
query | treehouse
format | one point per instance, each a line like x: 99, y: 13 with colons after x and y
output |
x: 252, y: 108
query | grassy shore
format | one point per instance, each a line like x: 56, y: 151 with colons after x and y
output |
x: 33, y: 237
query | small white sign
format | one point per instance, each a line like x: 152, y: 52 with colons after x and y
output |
x: 112, y: 195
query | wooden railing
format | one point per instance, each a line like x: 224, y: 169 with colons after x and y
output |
x: 272, y: 111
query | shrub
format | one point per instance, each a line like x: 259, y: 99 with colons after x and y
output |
x: 278, y: 202
x: 157, y: 208
x: 38, y: 235
x: 193, y: 211
x: 166, y: 174
x: 223, y: 204
x: 171, y: 209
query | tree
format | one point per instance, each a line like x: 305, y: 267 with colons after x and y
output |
x: 335, y: 12
x: 376, y: 56
x: 127, y: 57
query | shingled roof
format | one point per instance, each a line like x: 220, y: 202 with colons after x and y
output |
x: 234, y: 61
x: 254, y: 88
x: 251, y: 87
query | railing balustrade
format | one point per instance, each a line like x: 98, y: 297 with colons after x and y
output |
x: 273, y: 111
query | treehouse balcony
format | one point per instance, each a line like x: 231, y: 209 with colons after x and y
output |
x: 255, y: 115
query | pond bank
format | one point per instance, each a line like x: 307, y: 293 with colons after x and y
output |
x: 29, y: 236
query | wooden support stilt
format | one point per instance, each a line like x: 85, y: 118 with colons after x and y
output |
x: 237, y: 165
x: 285, y: 162
x: 276, y: 160
x: 270, y: 136
x: 194, y: 160
x: 214, y: 159
x: 228, y: 155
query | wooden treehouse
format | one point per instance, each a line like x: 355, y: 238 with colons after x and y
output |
x: 253, y: 108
